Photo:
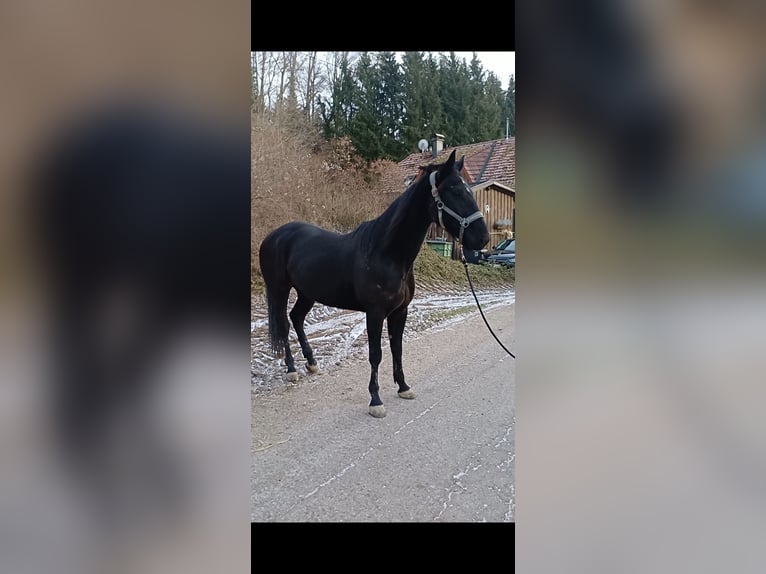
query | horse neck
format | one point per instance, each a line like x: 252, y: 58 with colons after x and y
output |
x: 406, y: 222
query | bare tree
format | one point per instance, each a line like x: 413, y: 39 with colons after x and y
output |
x: 311, y: 85
x: 333, y: 66
x: 291, y: 64
x: 280, y: 64
x: 265, y: 67
x: 293, y: 80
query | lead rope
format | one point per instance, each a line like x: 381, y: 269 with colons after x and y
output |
x: 465, y: 265
x: 464, y: 222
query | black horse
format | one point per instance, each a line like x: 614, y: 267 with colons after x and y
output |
x: 368, y: 269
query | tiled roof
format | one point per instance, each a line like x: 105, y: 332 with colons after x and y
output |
x: 491, y: 160
x: 391, y: 177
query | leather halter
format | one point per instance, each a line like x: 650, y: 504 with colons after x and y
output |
x: 464, y: 221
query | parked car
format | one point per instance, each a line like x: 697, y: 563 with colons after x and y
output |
x: 496, y: 250
x: 506, y: 256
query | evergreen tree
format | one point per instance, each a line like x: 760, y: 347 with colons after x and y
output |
x: 485, y: 110
x: 434, y: 108
x: 422, y: 103
x: 413, y: 124
x: 385, y: 107
x: 475, y: 119
x: 456, y: 98
x: 338, y: 112
x: 509, y: 109
x: 390, y: 105
x: 365, y: 128
x: 492, y: 123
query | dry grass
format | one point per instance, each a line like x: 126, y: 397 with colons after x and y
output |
x: 432, y: 269
x: 297, y: 177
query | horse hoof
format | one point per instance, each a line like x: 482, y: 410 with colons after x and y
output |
x: 312, y: 368
x: 293, y: 376
x: 378, y: 411
x: 408, y: 394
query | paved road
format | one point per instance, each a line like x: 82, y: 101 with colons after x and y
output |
x: 447, y: 455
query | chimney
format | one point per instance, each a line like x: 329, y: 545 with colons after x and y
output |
x: 437, y: 144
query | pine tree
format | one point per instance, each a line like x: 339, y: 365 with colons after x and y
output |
x: 413, y: 122
x: 365, y: 127
x: 338, y: 112
x: 455, y: 92
x: 432, y: 100
x: 475, y: 120
x: 491, y: 106
x: 423, y: 116
x: 386, y: 108
x: 390, y: 105
x: 509, y: 110
x: 484, y: 121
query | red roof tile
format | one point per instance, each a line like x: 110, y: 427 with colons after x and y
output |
x: 491, y: 160
x: 391, y: 177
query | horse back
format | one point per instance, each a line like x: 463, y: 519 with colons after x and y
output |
x: 317, y: 262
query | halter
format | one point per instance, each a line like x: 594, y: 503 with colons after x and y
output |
x: 464, y: 221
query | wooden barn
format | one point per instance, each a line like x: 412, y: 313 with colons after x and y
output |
x: 498, y: 202
x: 489, y: 169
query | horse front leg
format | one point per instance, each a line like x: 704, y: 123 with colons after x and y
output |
x: 374, y: 330
x: 396, y: 321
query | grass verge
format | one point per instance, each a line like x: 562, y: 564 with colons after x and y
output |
x: 432, y: 269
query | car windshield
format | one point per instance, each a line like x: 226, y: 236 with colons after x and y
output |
x: 511, y: 247
x: 503, y: 244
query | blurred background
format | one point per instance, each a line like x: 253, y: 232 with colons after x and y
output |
x: 640, y: 286
x: 124, y: 280
x: 640, y: 164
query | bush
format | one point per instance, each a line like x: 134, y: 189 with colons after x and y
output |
x: 297, y: 177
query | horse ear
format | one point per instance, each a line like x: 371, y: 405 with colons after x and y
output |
x: 459, y: 164
x: 450, y: 163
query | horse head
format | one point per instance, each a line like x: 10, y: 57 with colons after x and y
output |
x: 454, y: 206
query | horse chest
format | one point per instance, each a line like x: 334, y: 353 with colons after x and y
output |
x: 383, y: 284
x: 388, y: 292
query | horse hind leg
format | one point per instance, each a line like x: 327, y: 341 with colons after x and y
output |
x: 292, y: 374
x: 297, y: 316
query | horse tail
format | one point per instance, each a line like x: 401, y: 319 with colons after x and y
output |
x: 275, y: 335
x: 277, y: 293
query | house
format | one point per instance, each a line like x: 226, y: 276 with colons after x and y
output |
x: 490, y: 171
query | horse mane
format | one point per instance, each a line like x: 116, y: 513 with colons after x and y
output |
x: 398, y: 209
x: 390, y: 219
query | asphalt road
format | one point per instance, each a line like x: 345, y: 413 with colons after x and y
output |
x: 447, y: 455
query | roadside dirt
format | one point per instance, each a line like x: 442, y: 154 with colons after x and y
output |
x: 447, y: 455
